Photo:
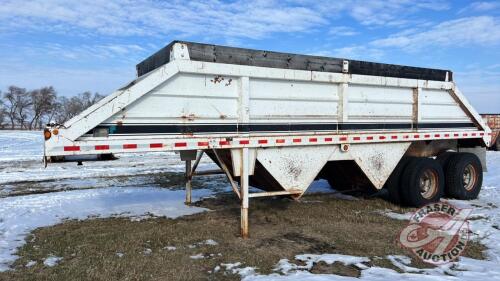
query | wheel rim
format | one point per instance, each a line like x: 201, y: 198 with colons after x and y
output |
x: 469, y: 177
x: 428, y: 183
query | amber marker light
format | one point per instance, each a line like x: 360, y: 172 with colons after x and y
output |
x: 46, y: 134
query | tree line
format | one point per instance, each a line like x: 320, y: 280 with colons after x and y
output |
x: 33, y: 109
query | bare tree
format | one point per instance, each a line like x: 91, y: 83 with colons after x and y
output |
x: 42, y: 102
x: 3, y: 114
x: 30, y: 109
x: 16, y: 104
x: 23, y: 107
x: 87, y: 99
x: 70, y: 107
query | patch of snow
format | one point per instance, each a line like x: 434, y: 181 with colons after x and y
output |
x: 216, y: 269
x: 466, y: 269
x: 19, y: 215
x: 25, y: 165
x: 147, y: 251
x: 235, y: 268
x: 52, y: 261
x: 245, y: 271
x: 320, y: 186
x: 197, y: 257
x: 230, y: 266
x: 30, y: 141
x: 285, y: 266
x: 211, y: 242
x: 119, y: 255
x: 396, y: 216
x: 31, y: 263
x: 170, y: 248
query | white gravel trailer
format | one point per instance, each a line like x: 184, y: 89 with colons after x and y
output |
x: 278, y: 121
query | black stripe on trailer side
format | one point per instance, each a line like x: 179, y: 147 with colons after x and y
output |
x: 289, y: 127
x: 138, y: 129
x: 374, y: 126
x: 445, y: 125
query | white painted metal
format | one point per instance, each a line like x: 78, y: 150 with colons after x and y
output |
x: 378, y: 161
x: 295, y: 167
x: 244, y: 186
x: 236, y: 161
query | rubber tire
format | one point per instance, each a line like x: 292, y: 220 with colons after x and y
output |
x: 410, y: 189
x: 393, y: 183
x: 454, y: 176
x: 444, y: 157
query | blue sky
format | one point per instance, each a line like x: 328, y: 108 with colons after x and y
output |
x: 94, y: 45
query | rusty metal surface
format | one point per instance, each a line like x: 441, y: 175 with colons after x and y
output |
x: 493, y: 121
x: 189, y: 178
x: 274, y: 193
x: 430, y: 148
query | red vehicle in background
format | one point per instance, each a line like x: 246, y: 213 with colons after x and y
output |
x: 493, y: 121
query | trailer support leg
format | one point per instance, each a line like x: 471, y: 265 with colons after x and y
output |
x: 244, y: 192
x: 189, y: 177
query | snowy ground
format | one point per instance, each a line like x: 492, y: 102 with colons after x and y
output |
x: 132, y: 186
x: 142, y: 185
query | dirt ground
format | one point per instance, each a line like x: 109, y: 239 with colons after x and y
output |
x: 279, y: 228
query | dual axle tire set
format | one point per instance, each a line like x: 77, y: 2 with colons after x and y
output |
x: 417, y: 181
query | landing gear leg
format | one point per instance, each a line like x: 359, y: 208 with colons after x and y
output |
x: 189, y: 178
x: 244, y: 192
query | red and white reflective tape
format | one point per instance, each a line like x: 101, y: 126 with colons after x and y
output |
x: 90, y: 147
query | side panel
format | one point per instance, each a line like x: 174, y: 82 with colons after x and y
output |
x: 439, y: 106
x: 285, y: 100
x: 185, y: 98
x: 375, y: 104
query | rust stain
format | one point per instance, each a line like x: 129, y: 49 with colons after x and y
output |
x: 222, y: 116
x: 293, y: 170
x: 217, y: 79
x: 377, y: 161
x: 189, y: 117
x: 119, y: 123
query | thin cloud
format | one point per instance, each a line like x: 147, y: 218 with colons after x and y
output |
x: 483, y: 31
x: 342, y: 31
x: 481, y: 6
x: 377, y: 13
x: 212, y: 18
x: 354, y: 52
x: 150, y: 18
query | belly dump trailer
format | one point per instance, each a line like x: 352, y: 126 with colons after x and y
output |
x: 278, y: 121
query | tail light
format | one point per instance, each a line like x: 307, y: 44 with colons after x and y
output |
x: 47, y: 134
